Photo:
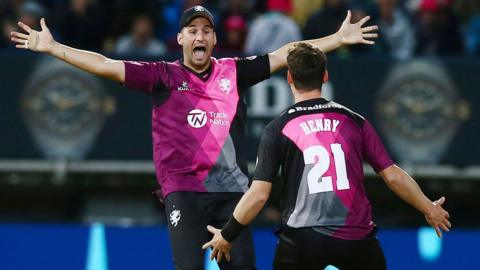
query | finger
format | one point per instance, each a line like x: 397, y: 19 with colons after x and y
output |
x: 43, y: 24
x: 21, y: 43
x: 219, y: 256
x: 227, y: 256
x: 21, y: 46
x: 439, y: 233
x: 444, y: 227
x: 211, y: 228
x: 363, y: 20
x: 369, y: 28
x: 213, y: 254
x: 18, y: 35
x: 370, y: 35
x: 368, y: 42
x: 448, y: 223
x: 349, y: 16
x: 439, y: 201
x: 25, y: 27
x: 17, y: 40
x: 207, y: 245
x: 24, y: 44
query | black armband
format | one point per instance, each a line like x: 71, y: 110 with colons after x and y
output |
x: 232, y: 229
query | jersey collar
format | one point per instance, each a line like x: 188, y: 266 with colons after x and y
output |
x: 201, y: 75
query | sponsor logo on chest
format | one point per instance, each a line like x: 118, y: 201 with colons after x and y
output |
x: 197, y: 118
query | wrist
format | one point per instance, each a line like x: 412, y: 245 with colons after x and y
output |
x: 53, y: 46
x: 428, y: 208
x: 232, y: 229
x: 338, y: 38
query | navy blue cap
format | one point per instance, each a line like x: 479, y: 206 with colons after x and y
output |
x: 194, y: 12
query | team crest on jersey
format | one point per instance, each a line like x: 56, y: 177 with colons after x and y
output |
x: 175, y: 216
x: 225, y: 85
x: 197, y: 118
x: 184, y: 87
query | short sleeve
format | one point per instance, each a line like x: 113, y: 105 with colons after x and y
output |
x: 269, y: 155
x: 146, y: 77
x: 252, y: 70
x: 373, y: 150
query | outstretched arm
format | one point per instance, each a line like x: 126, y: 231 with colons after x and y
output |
x: 246, y: 210
x: 347, y: 34
x: 406, y: 188
x: 42, y: 41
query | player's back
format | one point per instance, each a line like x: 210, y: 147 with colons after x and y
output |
x: 321, y: 148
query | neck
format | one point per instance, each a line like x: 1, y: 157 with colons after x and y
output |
x: 300, y: 95
x: 197, y: 69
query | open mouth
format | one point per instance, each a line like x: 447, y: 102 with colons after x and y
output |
x: 199, y: 51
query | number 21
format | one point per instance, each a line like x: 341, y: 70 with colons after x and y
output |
x: 317, y: 182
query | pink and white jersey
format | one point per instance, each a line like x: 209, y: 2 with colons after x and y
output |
x: 195, y: 125
x: 320, y: 147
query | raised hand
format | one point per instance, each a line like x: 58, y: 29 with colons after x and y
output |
x: 220, y: 247
x: 356, y: 34
x: 437, y: 217
x: 33, y: 40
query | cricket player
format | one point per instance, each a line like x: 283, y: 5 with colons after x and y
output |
x: 198, y: 122
x: 320, y: 147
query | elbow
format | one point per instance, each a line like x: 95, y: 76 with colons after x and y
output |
x: 260, y: 198
x: 392, y: 176
x: 392, y: 182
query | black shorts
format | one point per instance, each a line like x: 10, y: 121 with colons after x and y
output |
x: 306, y: 249
x: 188, y: 214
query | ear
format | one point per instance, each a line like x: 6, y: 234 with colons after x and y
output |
x: 214, y: 38
x: 289, y: 77
x: 325, y: 77
x: 180, y: 38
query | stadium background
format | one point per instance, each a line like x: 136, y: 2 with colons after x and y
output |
x: 76, y: 171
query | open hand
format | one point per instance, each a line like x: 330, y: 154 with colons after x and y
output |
x: 437, y: 217
x: 356, y: 34
x: 221, y: 247
x: 33, y: 40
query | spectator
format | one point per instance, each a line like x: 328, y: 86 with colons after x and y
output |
x: 326, y: 20
x: 83, y: 25
x: 235, y: 30
x: 236, y: 7
x: 470, y: 12
x: 271, y: 30
x: 472, y: 35
x: 8, y: 25
x: 395, y: 28
x: 9, y: 7
x: 302, y: 9
x: 358, y: 12
x: 140, y: 41
x: 438, y: 29
x: 31, y: 12
x: 123, y: 12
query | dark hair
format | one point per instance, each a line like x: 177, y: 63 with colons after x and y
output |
x: 307, y: 65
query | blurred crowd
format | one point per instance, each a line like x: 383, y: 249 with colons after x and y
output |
x: 244, y: 27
